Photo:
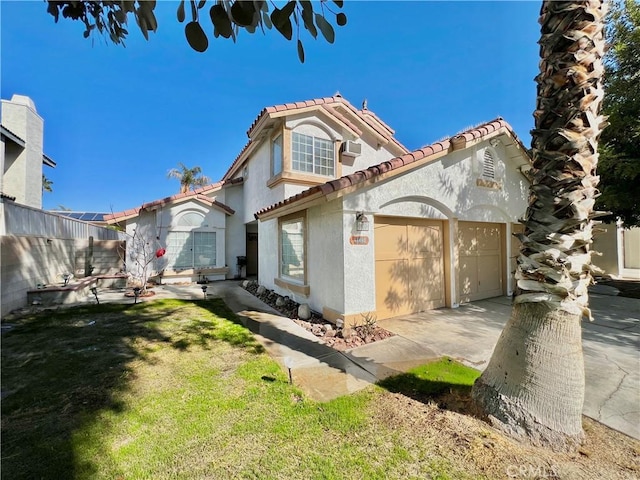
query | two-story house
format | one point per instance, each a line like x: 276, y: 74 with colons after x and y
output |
x: 331, y: 210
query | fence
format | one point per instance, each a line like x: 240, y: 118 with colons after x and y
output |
x: 21, y: 220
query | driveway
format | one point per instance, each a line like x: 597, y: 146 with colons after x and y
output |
x: 611, y: 347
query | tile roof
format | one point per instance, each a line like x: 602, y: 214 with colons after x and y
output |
x: 361, y: 176
x: 331, y: 106
x: 199, y: 194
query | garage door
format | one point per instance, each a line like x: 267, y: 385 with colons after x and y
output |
x: 409, y: 266
x: 480, y: 260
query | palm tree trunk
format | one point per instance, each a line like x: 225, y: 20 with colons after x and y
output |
x: 533, y: 387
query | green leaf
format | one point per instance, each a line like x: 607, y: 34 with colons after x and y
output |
x: 220, y: 20
x: 300, y: 51
x: 307, y: 16
x: 326, y: 28
x: 196, y: 37
x: 341, y: 19
x: 266, y: 20
x: 181, y: 14
x: 282, y: 23
x: 242, y: 13
x: 201, y: 4
x: 288, y: 8
x: 339, y: 3
x: 194, y: 10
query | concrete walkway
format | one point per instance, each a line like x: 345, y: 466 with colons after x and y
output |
x: 611, y: 347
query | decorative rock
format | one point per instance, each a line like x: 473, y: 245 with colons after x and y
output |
x: 328, y: 327
x: 245, y: 283
x: 304, y: 312
x: 330, y: 333
x: 261, y: 290
x: 280, y: 301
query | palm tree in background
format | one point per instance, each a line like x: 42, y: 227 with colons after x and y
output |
x: 534, y: 384
x: 47, y: 185
x: 189, y: 177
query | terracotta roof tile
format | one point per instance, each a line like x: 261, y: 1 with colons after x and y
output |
x: 395, y: 163
x: 199, y: 194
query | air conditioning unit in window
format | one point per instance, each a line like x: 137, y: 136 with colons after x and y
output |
x: 351, y: 149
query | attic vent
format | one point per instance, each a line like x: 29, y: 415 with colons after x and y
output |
x: 488, y: 165
x: 351, y: 149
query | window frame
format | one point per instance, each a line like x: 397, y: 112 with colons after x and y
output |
x: 278, y: 136
x: 314, y: 157
x: 297, y: 285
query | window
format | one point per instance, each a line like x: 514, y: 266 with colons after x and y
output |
x: 276, y: 155
x: 191, y: 249
x: 488, y: 165
x: 292, y: 246
x: 311, y: 154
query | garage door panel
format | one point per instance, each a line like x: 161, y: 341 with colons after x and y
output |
x: 390, y: 242
x: 480, y: 261
x: 409, y: 266
x: 390, y: 292
x: 468, y: 277
x: 427, y: 288
x: 489, y: 274
x: 488, y: 239
x: 424, y: 241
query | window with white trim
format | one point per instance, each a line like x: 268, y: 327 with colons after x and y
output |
x: 276, y: 155
x: 311, y: 154
x: 191, y: 250
x: 188, y: 248
x: 292, y: 248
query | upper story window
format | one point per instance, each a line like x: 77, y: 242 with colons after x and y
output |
x: 276, y: 155
x: 312, y: 154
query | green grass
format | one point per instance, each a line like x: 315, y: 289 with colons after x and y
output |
x: 180, y: 389
x: 434, y: 378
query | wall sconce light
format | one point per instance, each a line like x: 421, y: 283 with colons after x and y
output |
x: 362, y: 222
x: 204, y: 291
x: 136, y: 294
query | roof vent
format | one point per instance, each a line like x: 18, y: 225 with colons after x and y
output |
x: 351, y: 149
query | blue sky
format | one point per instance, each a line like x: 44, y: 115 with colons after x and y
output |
x: 117, y: 119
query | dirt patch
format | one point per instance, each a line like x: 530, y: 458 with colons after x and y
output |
x: 476, y: 448
x: 332, y: 335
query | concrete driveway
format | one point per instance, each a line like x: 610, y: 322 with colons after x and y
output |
x: 611, y: 347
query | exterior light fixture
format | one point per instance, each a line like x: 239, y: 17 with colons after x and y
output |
x: 362, y: 222
x: 66, y: 277
x: 136, y: 294
x: 204, y: 291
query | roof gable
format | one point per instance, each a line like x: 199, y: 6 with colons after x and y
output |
x: 395, y: 166
x: 199, y: 195
x: 336, y: 108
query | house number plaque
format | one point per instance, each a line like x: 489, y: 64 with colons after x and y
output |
x: 359, y: 240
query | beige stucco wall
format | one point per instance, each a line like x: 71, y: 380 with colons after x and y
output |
x: 22, y: 167
x: 28, y: 261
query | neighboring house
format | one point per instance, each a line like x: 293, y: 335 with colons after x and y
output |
x: 331, y: 210
x: 620, y: 250
x: 21, y: 153
x: 94, y: 218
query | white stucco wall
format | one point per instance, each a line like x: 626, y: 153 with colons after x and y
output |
x: 23, y: 178
x: 371, y: 155
x: 268, y: 252
x: 256, y: 193
x: 446, y: 188
x: 325, y: 265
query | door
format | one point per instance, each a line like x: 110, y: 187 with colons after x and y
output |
x: 409, y: 265
x: 480, y: 260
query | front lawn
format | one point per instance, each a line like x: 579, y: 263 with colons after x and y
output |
x: 180, y: 389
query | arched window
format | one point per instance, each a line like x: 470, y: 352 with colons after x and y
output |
x: 191, y: 219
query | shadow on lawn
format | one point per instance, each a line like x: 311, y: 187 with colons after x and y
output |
x: 448, y: 393
x: 61, y: 368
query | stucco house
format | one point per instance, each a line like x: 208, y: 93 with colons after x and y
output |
x: 331, y: 210
x: 21, y: 154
